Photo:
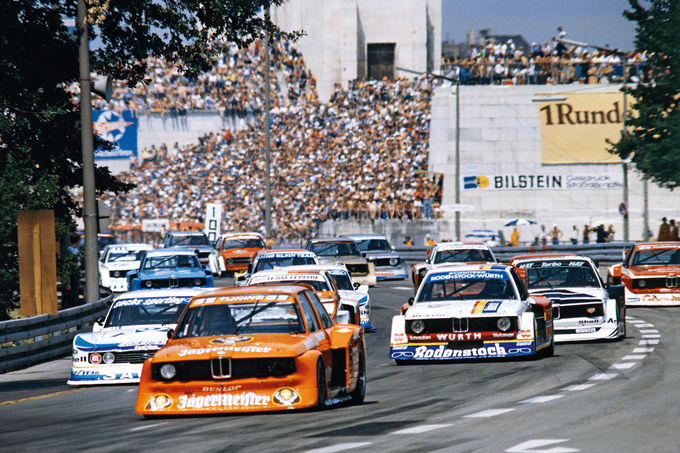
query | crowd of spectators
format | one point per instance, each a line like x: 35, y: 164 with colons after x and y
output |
x: 548, y: 63
x: 357, y: 156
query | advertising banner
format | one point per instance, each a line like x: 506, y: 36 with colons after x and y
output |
x: 535, y: 181
x: 575, y: 130
x: 118, y: 127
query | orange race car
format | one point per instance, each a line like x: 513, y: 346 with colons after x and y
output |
x: 238, y: 249
x: 254, y: 348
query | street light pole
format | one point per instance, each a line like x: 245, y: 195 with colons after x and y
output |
x: 89, y: 191
x: 458, y: 156
x: 267, y: 134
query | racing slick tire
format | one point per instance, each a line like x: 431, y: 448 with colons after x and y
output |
x: 359, y: 393
x: 321, y: 385
x: 545, y: 352
x: 622, y: 334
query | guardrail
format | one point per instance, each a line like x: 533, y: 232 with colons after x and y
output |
x: 27, y: 341
x: 604, y: 254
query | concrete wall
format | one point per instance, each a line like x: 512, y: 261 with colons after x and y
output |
x: 500, y: 134
x: 337, y: 32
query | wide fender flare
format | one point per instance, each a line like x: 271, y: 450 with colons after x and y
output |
x: 346, y: 335
x: 398, y: 332
x: 615, y: 270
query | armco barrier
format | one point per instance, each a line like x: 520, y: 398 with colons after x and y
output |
x: 27, y: 341
x: 604, y: 254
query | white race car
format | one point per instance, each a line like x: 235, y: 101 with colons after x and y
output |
x: 135, y: 327
x: 116, y: 260
x: 451, y: 253
x: 323, y: 284
x: 583, y: 309
x: 472, y: 312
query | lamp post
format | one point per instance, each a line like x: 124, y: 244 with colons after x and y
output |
x: 624, y: 132
x: 267, y: 137
x: 89, y: 192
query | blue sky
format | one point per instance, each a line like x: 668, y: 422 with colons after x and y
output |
x: 598, y: 22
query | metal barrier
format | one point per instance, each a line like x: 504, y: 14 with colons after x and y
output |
x: 604, y: 254
x: 27, y: 341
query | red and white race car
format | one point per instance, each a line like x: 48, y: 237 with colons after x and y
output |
x: 650, y: 274
x: 452, y: 253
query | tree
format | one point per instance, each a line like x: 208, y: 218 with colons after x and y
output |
x: 40, y: 145
x: 655, y: 129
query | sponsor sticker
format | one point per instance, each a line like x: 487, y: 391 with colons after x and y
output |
x: 223, y: 401
x: 286, y: 396
x: 231, y: 340
x: 137, y: 301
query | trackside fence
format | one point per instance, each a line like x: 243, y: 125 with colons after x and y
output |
x: 27, y: 341
x: 604, y: 254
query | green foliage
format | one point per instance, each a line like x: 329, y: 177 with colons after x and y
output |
x: 40, y: 144
x: 655, y: 130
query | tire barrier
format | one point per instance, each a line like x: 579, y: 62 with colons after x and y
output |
x: 27, y: 341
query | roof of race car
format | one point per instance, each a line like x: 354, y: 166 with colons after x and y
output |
x: 129, y: 246
x: 461, y: 246
x: 470, y: 267
x: 185, y: 233
x: 331, y: 268
x: 286, y: 252
x: 656, y: 245
x: 170, y: 292
x: 331, y: 239
x: 244, y: 234
x: 285, y: 273
x: 263, y: 289
x: 546, y: 256
x: 170, y: 252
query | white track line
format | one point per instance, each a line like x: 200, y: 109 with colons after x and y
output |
x: 420, y: 429
x: 489, y: 413
x: 339, y: 447
x: 541, y: 399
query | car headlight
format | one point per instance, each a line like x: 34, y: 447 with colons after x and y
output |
x: 108, y: 358
x: 642, y: 283
x: 418, y: 326
x: 230, y: 261
x: 116, y: 274
x: 148, y: 283
x: 394, y: 261
x: 503, y: 324
x: 168, y: 371
x: 198, y: 282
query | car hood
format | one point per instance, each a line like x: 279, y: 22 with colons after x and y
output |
x: 345, y: 259
x: 122, y: 266
x: 467, y: 308
x: 124, y: 338
x: 653, y: 271
x: 238, y: 346
x: 565, y: 296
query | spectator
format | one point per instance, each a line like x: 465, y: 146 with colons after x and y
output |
x: 514, y: 237
x: 664, y: 231
x: 610, y: 233
x: 534, y: 245
x: 601, y: 234
x: 674, y: 230
x: 586, y: 233
x: 71, y: 288
x: 407, y: 241
x: 574, y: 235
x: 555, y: 235
x: 429, y: 241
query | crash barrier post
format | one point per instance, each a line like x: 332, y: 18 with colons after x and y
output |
x: 604, y: 254
x: 27, y: 341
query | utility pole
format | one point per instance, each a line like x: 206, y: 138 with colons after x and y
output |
x: 267, y: 136
x: 458, y: 156
x: 89, y: 190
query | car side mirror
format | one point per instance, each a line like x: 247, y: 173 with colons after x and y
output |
x: 363, y: 254
x: 170, y: 333
x: 208, y: 271
x: 98, y: 325
x: 410, y: 301
x: 250, y: 268
x: 356, y: 285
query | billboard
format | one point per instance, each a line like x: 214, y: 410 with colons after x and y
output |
x: 118, y: 127
x: 574, y: 129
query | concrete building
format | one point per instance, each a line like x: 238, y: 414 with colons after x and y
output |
x: 347, y: 39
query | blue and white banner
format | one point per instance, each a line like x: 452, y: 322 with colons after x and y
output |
x: 119, y: 128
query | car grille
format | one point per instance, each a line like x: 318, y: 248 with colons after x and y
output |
x: 240, y: 260
x: 656, y: 283
x: 357, y: 269
x: 173, y: 282
x: 134, y: 356
x: 385, y: 262
x: 202, y: 370
x: 565, y: 311
x: 447, y: 325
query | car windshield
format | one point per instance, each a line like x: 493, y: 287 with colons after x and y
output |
x: 283, y: 261
x: 335, y: 248
x: 655, y: 257
x: 463, y: 256
x: 129, y: 255
x: 171, y: 261
x: 189, y: 239
x: 560, y: 274
x: 243, y: 243
x: 467, y: 286
x: 141, y: 311
x: 343, y: 281
x: 373, y: 244
x: 261, y: 316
